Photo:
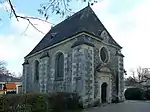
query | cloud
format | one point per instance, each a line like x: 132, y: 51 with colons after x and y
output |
x: 130, y: 28
x: 126, y: 20
x: 16, y: 45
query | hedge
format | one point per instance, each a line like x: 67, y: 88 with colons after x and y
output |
x: 39, y: 102
x: 134, y: 94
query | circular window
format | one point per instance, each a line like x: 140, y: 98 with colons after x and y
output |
x: 104, y: 55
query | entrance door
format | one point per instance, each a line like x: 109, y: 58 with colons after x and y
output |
x: 103, y: 92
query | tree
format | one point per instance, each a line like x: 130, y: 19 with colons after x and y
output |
x: 61, y: 7
x: 3, y: 69
x: 138, y: 78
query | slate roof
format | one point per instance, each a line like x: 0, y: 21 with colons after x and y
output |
x: 6, y: 78
x: 83, y: 21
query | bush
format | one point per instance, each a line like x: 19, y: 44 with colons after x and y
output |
x: 147, y: 94
x: 64, y: 101
x: 29, y: 102
x: 115, y: 100
x: 39, y: 102
x: 134, y: 94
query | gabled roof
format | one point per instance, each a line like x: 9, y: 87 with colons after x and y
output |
x: 83, y: 21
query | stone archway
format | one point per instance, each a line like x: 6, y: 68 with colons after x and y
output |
x: 104, y: 92
x: 104, y: 85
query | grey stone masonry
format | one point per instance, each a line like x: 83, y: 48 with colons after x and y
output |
x: 50, y: 80
x: 43, y: 73
x: 26, y: 85
x: 25, y: 77
x: 58, y: 86
x: 68, y: 72
x: 96, y: 63
x: 77, y: 74
x: 121, y: 74
x: 83, y: 72
x: 89, y: 73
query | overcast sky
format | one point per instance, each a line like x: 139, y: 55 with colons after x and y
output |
x: 128, y: 21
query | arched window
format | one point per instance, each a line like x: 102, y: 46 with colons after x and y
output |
x: 36, y: 72
x: 59, y: 66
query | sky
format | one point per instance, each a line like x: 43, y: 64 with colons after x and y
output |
x: 126, y: 20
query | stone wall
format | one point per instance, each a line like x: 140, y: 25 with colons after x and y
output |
x: 121, y: 77
x: 113, y: 65
x: 77, y: 73
x: 68, y: 72
x: 43, y: 73
x: 79, y: 68
x: 89, y: 73
x: 24, y: 77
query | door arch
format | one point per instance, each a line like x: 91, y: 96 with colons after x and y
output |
x: 104, y: 92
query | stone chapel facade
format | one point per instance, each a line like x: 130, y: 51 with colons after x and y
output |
x: 77, y: 55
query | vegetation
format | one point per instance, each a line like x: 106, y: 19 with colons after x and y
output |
x: 39, y: 102
x: 138, y: 78
x: 133, y: 94
x: 137, y: 94
x: 147, y: 94
x: 5, y: 71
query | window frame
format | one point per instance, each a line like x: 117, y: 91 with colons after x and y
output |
x: 36, y: 71
x: 106, y: 53
x: 59, y: 68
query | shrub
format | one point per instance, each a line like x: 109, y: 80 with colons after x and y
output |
x: 134, y: 94
x: 115, y: 100
x: 39, y: 102
x: 147, y: 94
x: 64, y: 101
x: 31, y: 102
x: 1, y: 104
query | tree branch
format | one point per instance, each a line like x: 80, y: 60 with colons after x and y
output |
x: 12, y: 9
x: 25, y: 29
x: 26, y: 18
x: 142, y: 76
x: 35, y: 26
x: 56, y: 6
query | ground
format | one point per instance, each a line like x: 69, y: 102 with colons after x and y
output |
x: 127, y: 106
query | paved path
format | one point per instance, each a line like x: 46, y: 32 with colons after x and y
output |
x: 127, y: 106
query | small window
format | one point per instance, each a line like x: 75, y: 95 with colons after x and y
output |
x: 104, y: 55
x: 36, y: 72
x: 59, y: 66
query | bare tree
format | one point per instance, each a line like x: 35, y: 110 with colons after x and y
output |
x: 3, y: 69
x: 138, y: 78
x: 61, y: 7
